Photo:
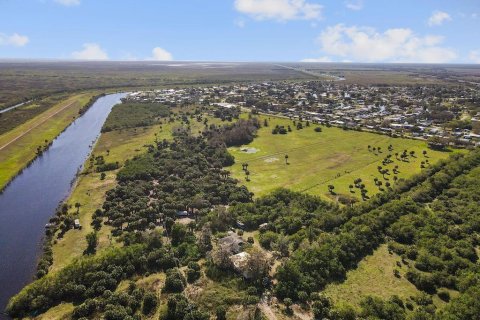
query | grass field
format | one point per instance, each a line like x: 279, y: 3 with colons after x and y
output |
x: 374, y: 276
x: 18, y: 146
x: 318, y: 159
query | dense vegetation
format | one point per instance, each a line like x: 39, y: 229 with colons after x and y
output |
x: 430, y: 220
x: 183, y: 175
x: 131, y: 115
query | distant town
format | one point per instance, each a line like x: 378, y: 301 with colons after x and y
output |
x: 445, y: 116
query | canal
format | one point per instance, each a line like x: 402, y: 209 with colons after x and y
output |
x: 31, y: 199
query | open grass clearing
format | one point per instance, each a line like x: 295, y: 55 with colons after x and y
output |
x: 374, y: 276
x: 318, y: 159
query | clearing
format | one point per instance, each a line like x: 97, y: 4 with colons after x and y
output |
x: 317, y: 159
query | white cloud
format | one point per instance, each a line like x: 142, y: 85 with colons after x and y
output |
x: 364, y: 44
x: 281, y: 10
x: 438, y: 18
x: 161, y: 54
x: 15, y: 40
x: 354, y: 5
x: 320, y: 59
x: 91, y: 51
x: 474, y: 56
x: 239, y: 23
x: 68, y: 3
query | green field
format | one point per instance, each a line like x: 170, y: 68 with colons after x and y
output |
x: 317, y: 159
x: 373, y: 276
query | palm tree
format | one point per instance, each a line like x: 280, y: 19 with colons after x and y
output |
x: 330, y: 188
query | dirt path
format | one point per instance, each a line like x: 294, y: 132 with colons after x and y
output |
x: 36, y: 125
x: 267, y: 311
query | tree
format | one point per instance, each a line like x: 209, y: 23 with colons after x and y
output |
x: 78, y: 205
x: 321, y: 307
x: 92, y: 242
x: 175, y: 281
x: 205, y: 239
x: 286, y: 159
x: 149, y: 303
x: 221, y: 313
x: 178, y: 234
x: 221, y: 258
x: 330, y: 188
x: 288, y: 303
x: 257, y: 266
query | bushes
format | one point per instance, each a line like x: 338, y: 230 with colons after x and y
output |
x: 444, y: 295
x: 193, y: 272
x: 85, y: 278
x: 109, y: 166
x: 149, y: 303
x: 175, y: 281
x: 131, y: 115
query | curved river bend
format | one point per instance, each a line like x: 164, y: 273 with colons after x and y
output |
x: 31, y: 199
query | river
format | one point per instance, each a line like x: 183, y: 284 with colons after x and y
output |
x: 31, y: 199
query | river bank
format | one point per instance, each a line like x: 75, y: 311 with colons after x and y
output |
x: 31, y: 198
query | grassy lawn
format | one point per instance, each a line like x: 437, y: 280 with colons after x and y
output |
x: 318, y: 159
x: 61, y: 312
x: 18, y: 146
x: 374, y: 276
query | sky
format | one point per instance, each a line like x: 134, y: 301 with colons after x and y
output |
x: 398, y: 31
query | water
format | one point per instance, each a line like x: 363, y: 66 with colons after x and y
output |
x: 15, y: 106
x: 31, y: 199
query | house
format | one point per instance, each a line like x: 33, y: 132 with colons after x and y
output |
x: 232, y: 243
x: 239, y: 262
x: 263, y: 226
x: 182, y: 214
x: 240, y: 225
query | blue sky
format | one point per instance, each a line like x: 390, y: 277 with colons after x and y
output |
x: 431, y: 31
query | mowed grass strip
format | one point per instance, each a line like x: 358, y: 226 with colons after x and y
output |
x: 317, y: 159
x: 18, y: 146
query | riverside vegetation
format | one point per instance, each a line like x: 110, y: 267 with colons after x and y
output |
x: 298, y: 243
